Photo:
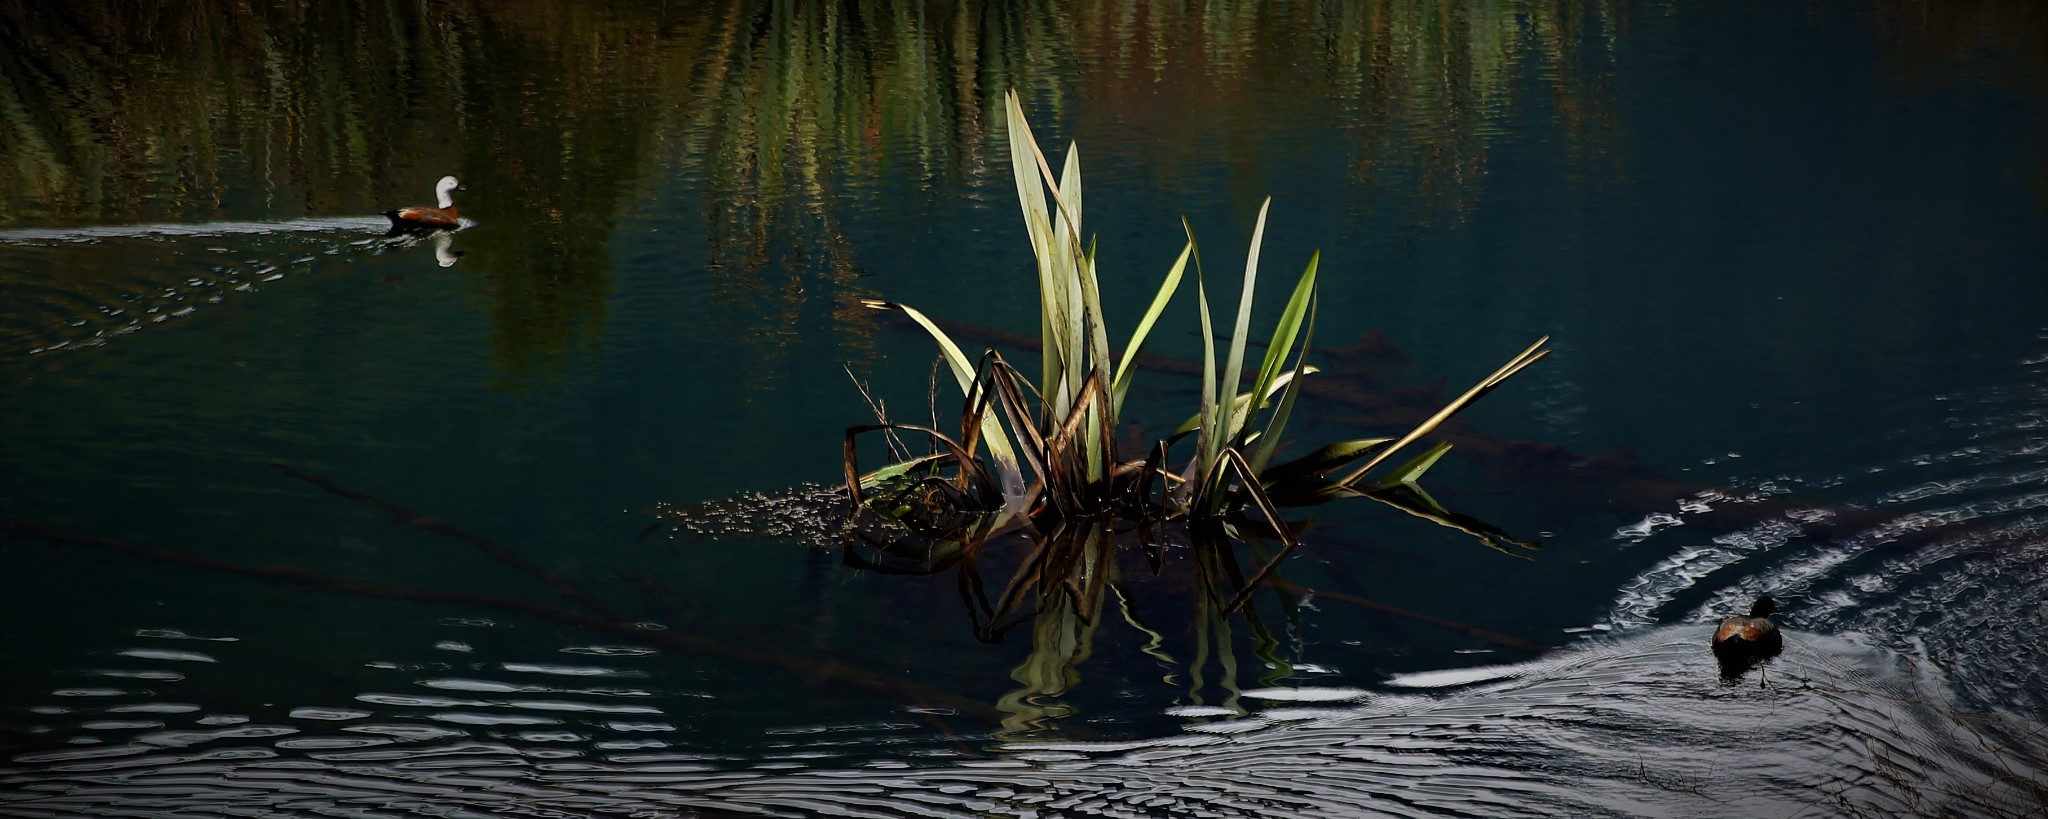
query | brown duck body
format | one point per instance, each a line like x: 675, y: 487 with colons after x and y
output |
x: 1750, y: 637
x: 424, y: 218
x: 421, y: 218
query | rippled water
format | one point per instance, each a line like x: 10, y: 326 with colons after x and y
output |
x: 534, y: 519
x: 64, y: 312
x: 1635, y: 726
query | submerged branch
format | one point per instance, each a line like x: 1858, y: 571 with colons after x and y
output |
x: 1467, y: 629
x: 568, y: 590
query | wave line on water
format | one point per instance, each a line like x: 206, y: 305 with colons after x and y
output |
x: 89, y: 233
x: 1640, y: 724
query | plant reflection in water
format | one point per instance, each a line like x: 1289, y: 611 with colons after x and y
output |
x: 1063, y: 583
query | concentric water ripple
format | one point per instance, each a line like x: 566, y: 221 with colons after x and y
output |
x: 1953, y: 563
x: 1641, y: 725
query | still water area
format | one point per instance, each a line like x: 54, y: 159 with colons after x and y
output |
x: 542, y: 517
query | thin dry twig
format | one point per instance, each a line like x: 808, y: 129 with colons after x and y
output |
x: 1494, y: 637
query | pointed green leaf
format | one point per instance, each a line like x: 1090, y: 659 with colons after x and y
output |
x: 1070, y: 276
x: 1263, y: 452
x: 1012, y: 474
x: 1127, y: 369
x: 899, y: 469
x: 1322, y: 461
x: 1233, y: 365
x: 1411, y: 472
x: 1290, y: 324
x: 1239, y: 403
x: 1205, y: 456
x: 1515, y: 365
x: 1410, y: 498
x: 1038, y: 225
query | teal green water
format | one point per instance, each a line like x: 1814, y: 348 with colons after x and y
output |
x: 1790, y: 259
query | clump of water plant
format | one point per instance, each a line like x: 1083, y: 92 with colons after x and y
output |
x: 1036, y: 455
x: 1061, y: 429
x: 1040, y: 459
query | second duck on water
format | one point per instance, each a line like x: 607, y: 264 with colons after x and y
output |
x: 440, y: 217
x: 1749, y: 638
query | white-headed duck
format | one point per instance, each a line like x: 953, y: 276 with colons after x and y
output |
x: 441, y: 217
x: 1750, y: 638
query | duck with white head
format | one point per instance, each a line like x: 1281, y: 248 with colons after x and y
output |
x: 421, y: 218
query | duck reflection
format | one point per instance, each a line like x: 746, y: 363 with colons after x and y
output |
x: 445, y: 253
x: 442, y: 242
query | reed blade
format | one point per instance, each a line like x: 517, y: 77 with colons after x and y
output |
x: 1128, y: 368
x: 1324, y: 460
x: 1411, y: 472
x: 1411, y: 499
x: 970, y: 466
x: 1038, y: 225
x: 1205, y: 451
x: 1229, y: 420
x: 1266, y: 508
x: 1520, y: 362
x: 1007, y: 467
x: 1239, y: 403
x: 901, y: 469
x: 1289, y: 327
x: 1262, y: 452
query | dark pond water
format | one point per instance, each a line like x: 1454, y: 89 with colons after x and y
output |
x: 299, y: 521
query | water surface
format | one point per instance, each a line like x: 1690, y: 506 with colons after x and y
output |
x: 290, y: 503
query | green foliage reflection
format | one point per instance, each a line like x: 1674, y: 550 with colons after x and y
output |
x: 787, y: 115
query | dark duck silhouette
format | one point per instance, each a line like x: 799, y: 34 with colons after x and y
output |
x: 422, y: 218
x: 1741, y: 641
